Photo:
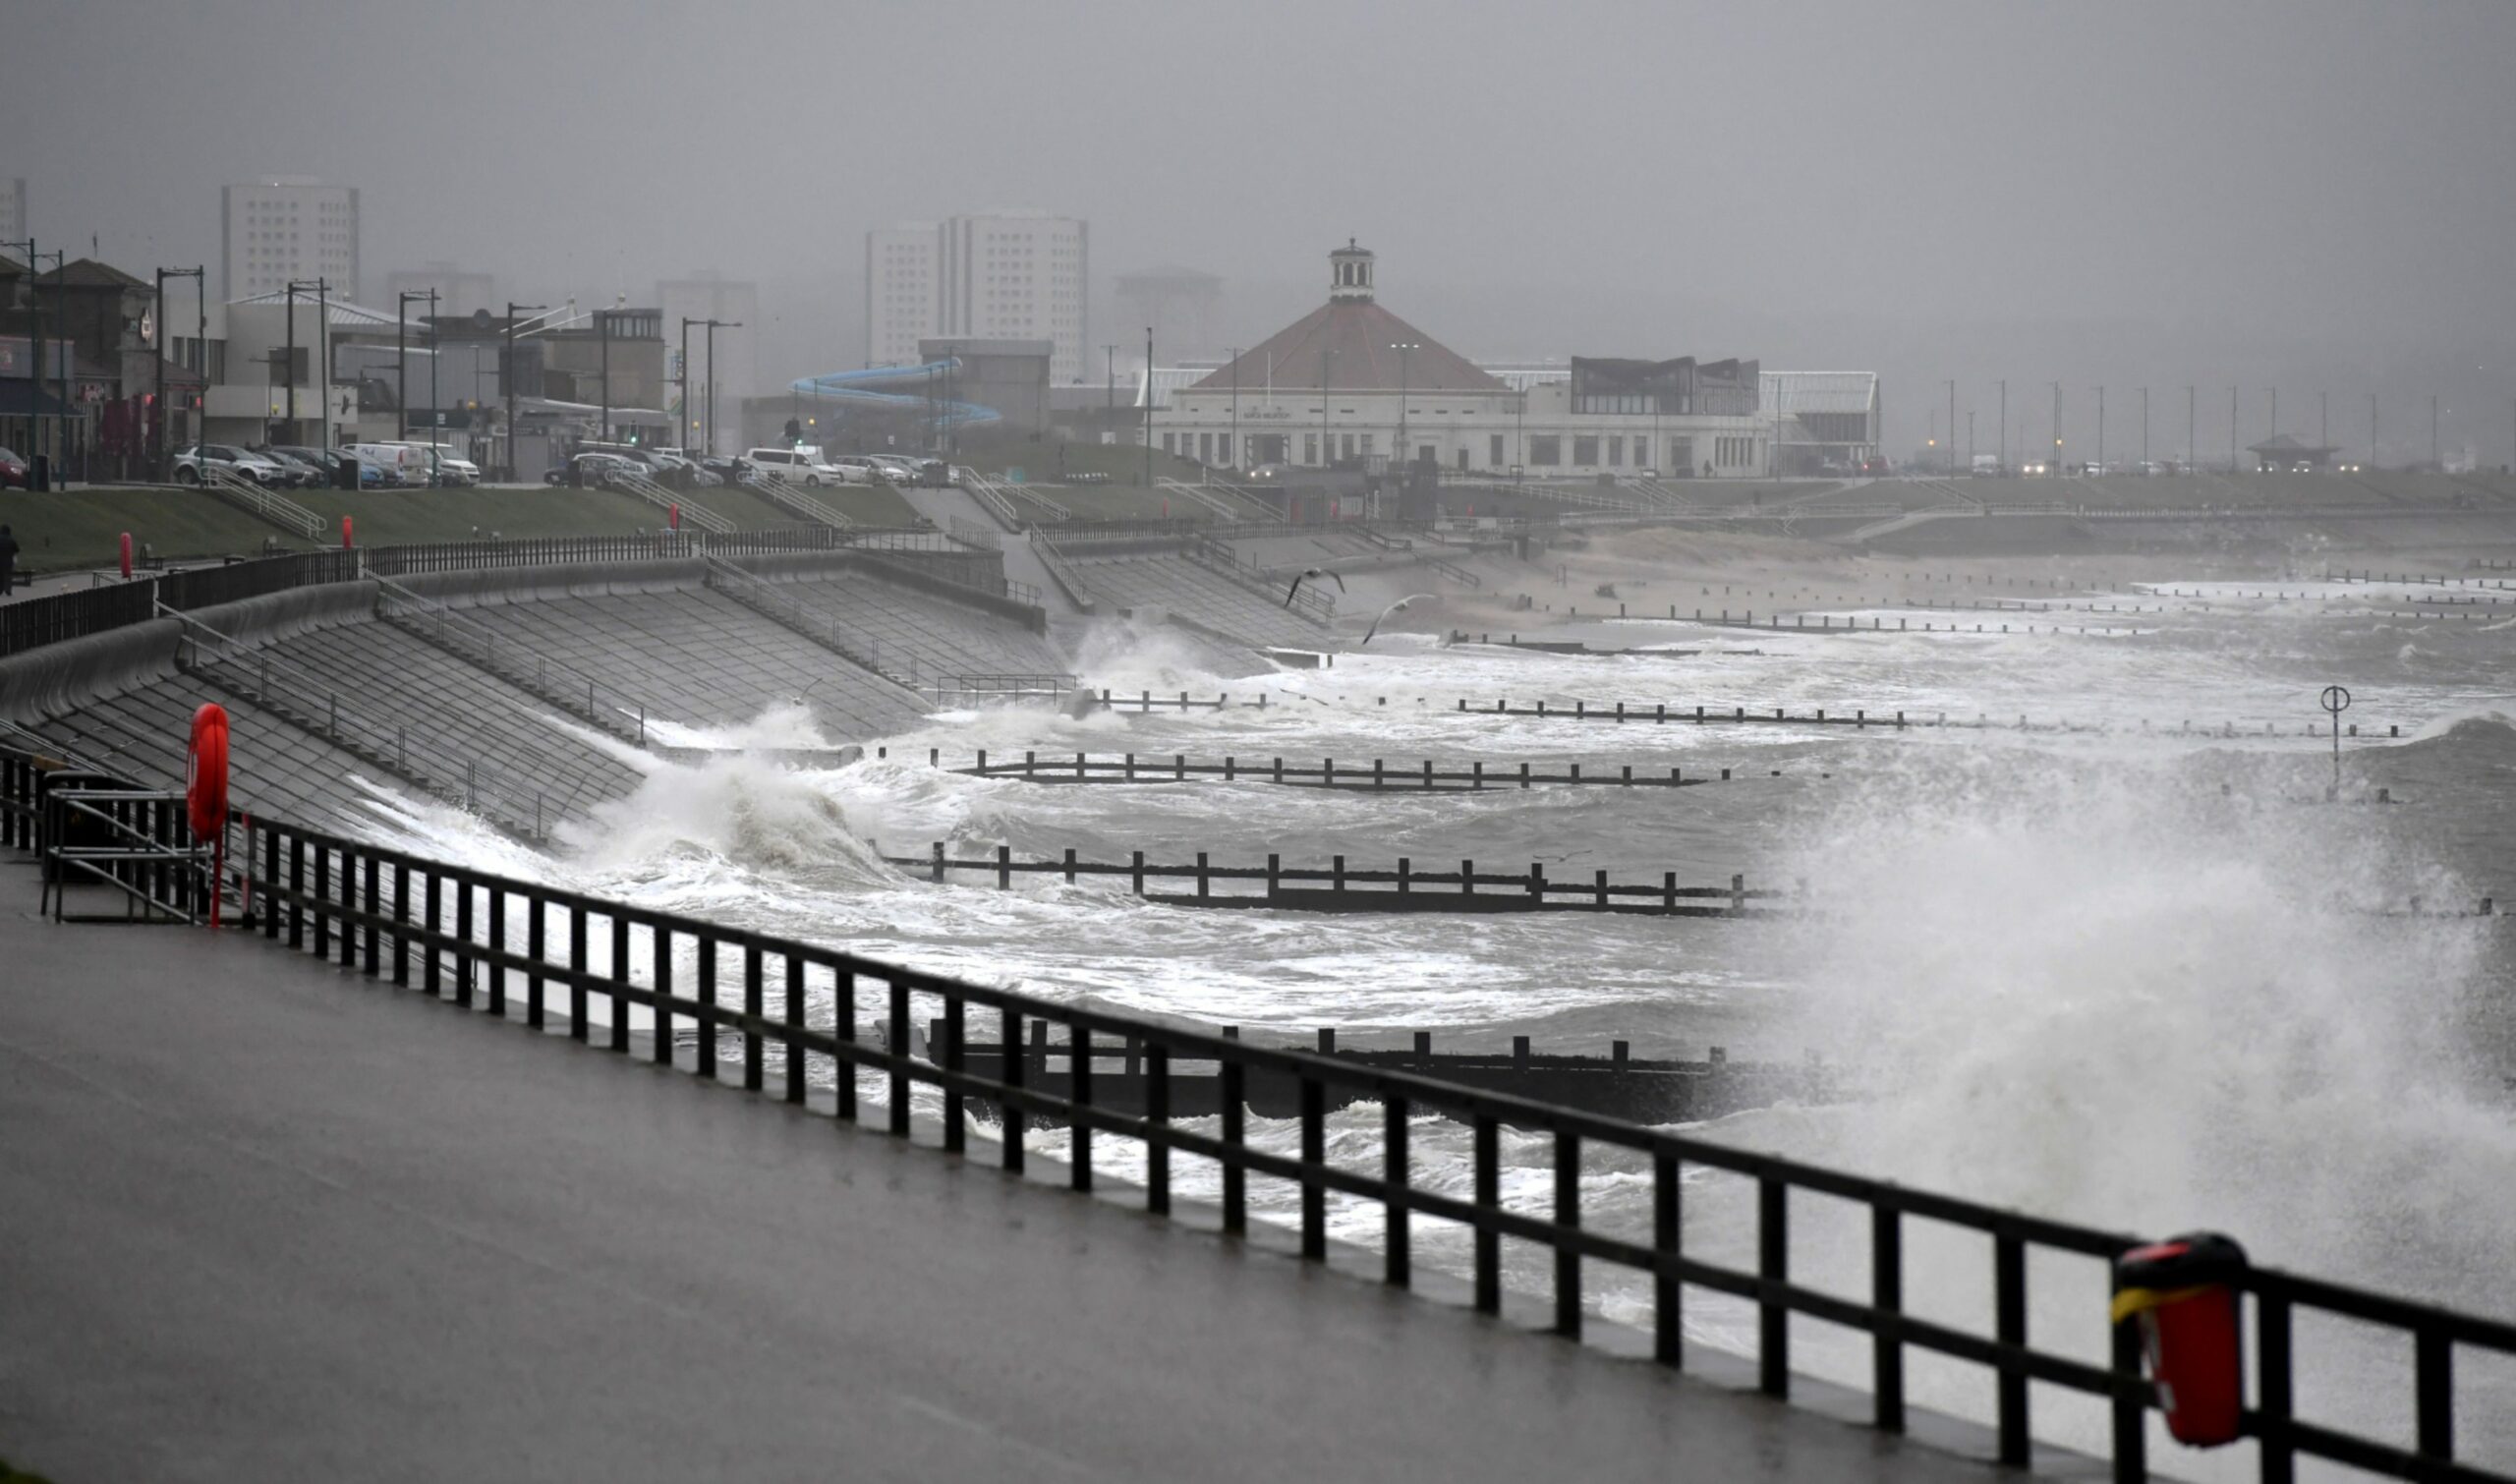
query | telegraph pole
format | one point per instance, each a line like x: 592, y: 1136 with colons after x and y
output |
x: 506, y: 379
x: 1233, y: 461
x: 714, y: 325
x: 201, y: 303
x: 683, y: 425
x: 1148, y: 407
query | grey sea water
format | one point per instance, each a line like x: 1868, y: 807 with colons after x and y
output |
x: 2138, y: 973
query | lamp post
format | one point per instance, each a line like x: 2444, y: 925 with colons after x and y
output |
x: 2100, y: 427
x: 1148, y: 407
x: 402, y: 356
x: 1402, y: 347
x: 714, y: 325
x: 200, y: 299
x: 506, y: 378
x: 1232, y: 461
x: 681, y: 433
x: 2004, y: 424
x: 2145, y: 430
x: 2055, y: 467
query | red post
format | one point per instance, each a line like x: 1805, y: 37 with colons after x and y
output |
x: 674, y: 514
x: 346, y: 543
x: 126, y: 555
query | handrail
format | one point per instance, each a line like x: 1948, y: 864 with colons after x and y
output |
x: 146, y: 853
x: 1060, y: 567
x: 381, y: 910
x: 1307, y: 601
x: 862, y: 650
x: 629, y: 481
x: 781, y: 492
x: 520, y: 664
x: 313, y: 705
x: 255, y: 500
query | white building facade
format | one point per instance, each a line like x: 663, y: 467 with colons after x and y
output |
x: 1351, y: 381
x: 998, y: 275
x: 289, y: 227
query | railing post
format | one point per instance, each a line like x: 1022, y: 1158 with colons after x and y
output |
x: 661, y: 1054
x: 497, y: 945
x: 1773, y: 1270
x: 1314, y: 1155
x: 463, y: 894
x: 1487, y: 1198
x: 1233, y: 1076
x: 1667, y: 1328
x: 1079, y: 1089
x: 535, y: 933
x: 754, y: 1006
x: 2009, y: 1322
x: 1157, y: 1146
x: 401, y: 917
x: 898, y: 1048
x: 578, y: 968
x: 1568, y: 1220
x: 1397, y: 1260
x: 956, y: 1012
x: 434, y: 891
x: 2272, y: 1387
x: 1014, y: 1072
x: 619, y: 976
x: 1887, y: 1296
x: 2433, y: 1379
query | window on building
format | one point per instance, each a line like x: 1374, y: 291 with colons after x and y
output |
x: 1349, y: 445
x: 1585, y: 452
x: 1546, y: 451
x: 1494, y: 452
x: 1310, y: 448
x: 1615, y: 452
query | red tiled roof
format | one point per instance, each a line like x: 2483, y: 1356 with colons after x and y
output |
x: 1354, y: 336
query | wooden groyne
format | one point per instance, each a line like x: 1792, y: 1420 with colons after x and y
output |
x: 1378, y: 775
x: 1342, y: 888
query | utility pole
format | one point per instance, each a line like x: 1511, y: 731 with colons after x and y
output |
x: 402, y: 357
x: 1402, y: 347
x: 684, y: 426
x: 2232, y: 432
x: 2100, y: 427
x: 2055, y: 467
x: 1952, y: 424
x: 1110, y: 364
x: 1148, y: 407
x: 289, y: 368
x: 602, y: 337
x: 714, y: 325
x: 323, y: 355
x: 1232, y: 461
x: 201, y: 301
x: 507, y: 379
x: 2145, y: 430
x: 2004, y: 424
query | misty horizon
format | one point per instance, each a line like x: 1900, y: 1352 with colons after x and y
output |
x: 2304, y: 197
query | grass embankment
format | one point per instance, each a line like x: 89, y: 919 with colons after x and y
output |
x: 65, y: 530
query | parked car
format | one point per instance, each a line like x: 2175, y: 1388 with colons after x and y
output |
x: 190, y: 464
x: 13, y: 471
x: 294, y: 472
x: 858, y: 468
x: 892, y: 467
x: 726, y: 471
x: 797, y: 465
x: 596, y: 470
x: 326, y: 464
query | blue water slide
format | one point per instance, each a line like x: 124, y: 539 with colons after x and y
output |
x: 862, y: 388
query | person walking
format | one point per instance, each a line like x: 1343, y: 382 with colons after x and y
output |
x: 8, y: 561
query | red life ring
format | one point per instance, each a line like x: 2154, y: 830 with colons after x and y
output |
x: 205, y: 783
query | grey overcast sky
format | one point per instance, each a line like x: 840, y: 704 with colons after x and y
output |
x: 2319, y: 194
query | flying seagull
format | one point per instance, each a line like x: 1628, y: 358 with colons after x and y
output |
x: 1312, y: 574
x: 1398, y: 607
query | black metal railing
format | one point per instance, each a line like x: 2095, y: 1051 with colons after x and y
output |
x: 1376, y: 775
x: 39, y: 621
x: 791, y: 1011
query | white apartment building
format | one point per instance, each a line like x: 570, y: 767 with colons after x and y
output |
x: 289, y: 227
x: 997, y: 275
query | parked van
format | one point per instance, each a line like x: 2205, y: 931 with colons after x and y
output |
x: 794, y: 466
x: 401, y: 463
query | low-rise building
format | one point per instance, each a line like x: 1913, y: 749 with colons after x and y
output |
x: 1353, y: 383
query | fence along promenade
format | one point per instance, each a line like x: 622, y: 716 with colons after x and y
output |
x: 1378, y: 777
x: 761, y: 1007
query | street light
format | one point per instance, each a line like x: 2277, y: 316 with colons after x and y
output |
x: 714, y: 325
x: 1402, y: 347
x: 1232, y: 460
x: 506, y: 375
x: 200, y: 302
x: 402, y: 359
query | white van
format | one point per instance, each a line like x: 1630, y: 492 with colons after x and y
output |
x: 794, y: 466
x: 405, y: 463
